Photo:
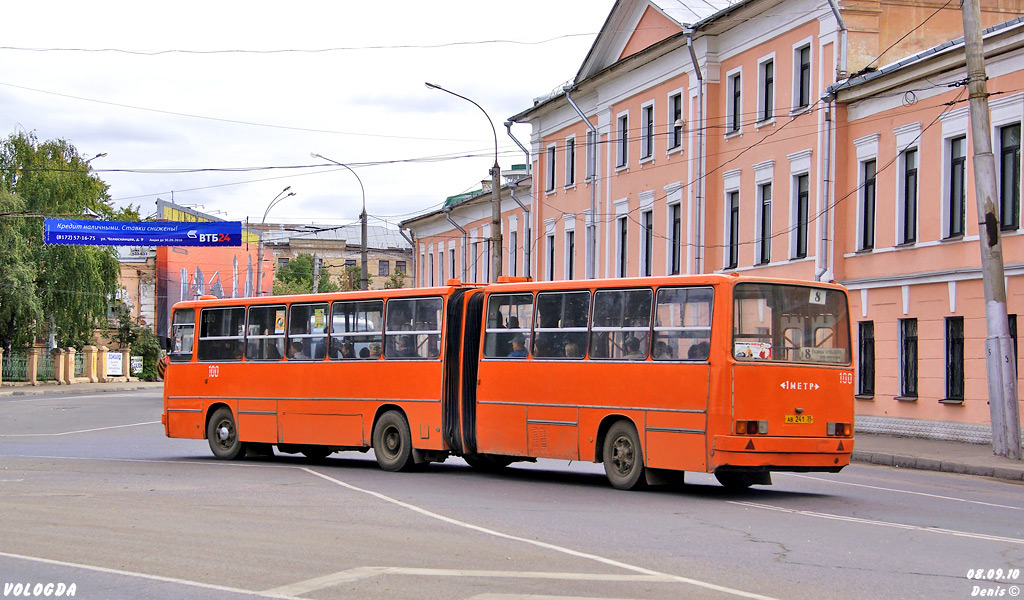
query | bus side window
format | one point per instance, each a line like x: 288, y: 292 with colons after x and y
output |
x: 413, y: 328
x: 265, y: 333
x: 622, y: 324
x: 356, y: 329
x: 183, y: 333
x: 682, y: 326
x: 307, y: 331
x: 561, y: 330
x: 510, y: 317
x: 221, y: 333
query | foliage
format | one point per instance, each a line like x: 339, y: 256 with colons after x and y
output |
x: 395, y: 281
x: 297, y: 277
x: 19, y: 300
x: 72, y: 284
x: 126, y: 332
x: 350, y: 279
x: 147, y: 345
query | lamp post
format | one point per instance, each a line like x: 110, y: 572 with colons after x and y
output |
x: 364, y: 282
x: 259, y: 264
x: 495, y: 189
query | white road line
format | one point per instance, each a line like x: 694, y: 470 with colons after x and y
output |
x: 953, y: 532
x: 11, y: 435
x: 318, y: 583
x: 199, y: 584
x: 202, y: 462
x: 885, y: 489
x: 545, y: 545
x: 533, y: 597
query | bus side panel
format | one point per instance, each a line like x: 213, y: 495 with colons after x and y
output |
x: 498, y: 429
x: 184, y: 412
x: 552, y: 432
x: 676, y: 441
x: 257, y: 420
x: 324, y: 428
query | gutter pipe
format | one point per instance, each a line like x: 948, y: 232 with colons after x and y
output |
x: 699, y: 192
x: 841, y: 59
x: 512, y: 185
x: 824, y: 224
x: 465, y: 241
x: 592, y: 176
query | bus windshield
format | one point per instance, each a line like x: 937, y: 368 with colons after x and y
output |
x: 790, y: 323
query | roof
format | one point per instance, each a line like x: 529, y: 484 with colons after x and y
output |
x: 377, y: 237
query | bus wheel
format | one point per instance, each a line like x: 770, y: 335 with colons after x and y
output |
x: 223, y: 435
x: 316, y: 453
x: 623, y: 459
x: 490, y: 463
x: 392, y: 442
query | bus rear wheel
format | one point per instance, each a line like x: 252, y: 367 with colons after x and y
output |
x: 392, y: 442
x: 623, y: 458
x: 222, y: 433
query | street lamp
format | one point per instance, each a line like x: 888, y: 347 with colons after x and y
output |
x: 495, y: 189
x: 364, y: 282
x: 259, y: 265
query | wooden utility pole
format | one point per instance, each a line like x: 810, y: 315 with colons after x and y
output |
x: 1000, y: 358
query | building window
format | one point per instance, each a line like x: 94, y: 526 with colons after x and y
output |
x: 647, y: 133
x: 400, y: 267
x: 735, y: 108
x: 570, y: 254
x: 1009, y: 177
x: 734, y: 229
x: 867, y: 194
x: 647, y: 224
x: 802, y: 92
x: 676, y: 238
x: 551, y: 257
x: 513, y: 252
x: 430, y: 268
x: 440, y: 266
x: 622, y: 147
x: 487, y: 260
x: 350, y: 262
x: 282, y: 263
x: 908, y: 358
x: 570, y: 162
x: 764, y: 237
x: 866, y: 359
x: 908, y: 209
x: 383, y: 268
x: 473, y: 261
x: 802, y: 202
x: 451, y: 263
x: 766, y: 102
x: 1012, y: 323
x: 675, y: 115
x: 957, y: 186
x: 550, y: 187
x: 955, y: 358
x: 623, y: 230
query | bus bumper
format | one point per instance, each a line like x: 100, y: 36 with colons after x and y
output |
x: 781, y: 453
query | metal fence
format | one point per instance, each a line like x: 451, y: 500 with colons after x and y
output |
x: 80, y: 364
x: 47, y: 367
x: 15, y: 367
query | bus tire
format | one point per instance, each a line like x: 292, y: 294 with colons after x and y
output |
x: 222, y: 433
x: 392, y: 442
x: 489, y: 463
x: 623, y: 458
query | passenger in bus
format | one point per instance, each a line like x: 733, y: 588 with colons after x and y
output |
x: 699, y: 351
x: 374, y: 350
x: 572, y: 350
x: 347, y: 351
x: 295, y: 351
x: 662, y: 351
x: 632, y: 348
x: 364, y: 353
x: 518, y: 347
x: 403, y: 347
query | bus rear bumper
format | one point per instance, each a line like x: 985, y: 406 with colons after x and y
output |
x: 778, y: 453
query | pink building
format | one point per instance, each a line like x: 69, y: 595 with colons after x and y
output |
x: 791, y: 138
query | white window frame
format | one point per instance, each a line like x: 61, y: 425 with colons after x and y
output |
x: 762, y: 120
x: 570, y: 162
x: 621, y: 211
x: 550, y: 157
x: 907, y: 138
x: 799, y: 164
x: 673, y: 198
x: 1005, y: 111
x: 764, y: 174
x: 647, y: 134
x: 622, y: 141
x: 646, y: 206
x: 796, y: 108
x: 867, y: 149
x: 732, y: 78
x: 730, y: 183
x: 955, y: 123
x: 513, y: 245
x: 671, y: 121
x: 568, y: 227
x: 549, y: 249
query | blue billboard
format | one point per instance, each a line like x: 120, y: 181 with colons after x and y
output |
x: 150, y: 233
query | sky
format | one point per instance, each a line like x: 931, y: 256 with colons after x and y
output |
x: 208, y: 104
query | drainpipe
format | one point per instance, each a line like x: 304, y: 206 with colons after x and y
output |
x: 823, y: 223
x: 512, y: 185
x: 699, y: 193
x: 841, y: 59
x: 448, y: 215
x: 411, y: 238
x: 592, y: 172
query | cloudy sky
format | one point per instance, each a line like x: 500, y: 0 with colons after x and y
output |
x: 208, y: 103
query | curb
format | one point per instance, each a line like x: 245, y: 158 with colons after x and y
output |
x: 931, y: 464
x: 63, y: 391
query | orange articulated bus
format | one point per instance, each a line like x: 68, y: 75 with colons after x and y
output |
x: 652, y: 377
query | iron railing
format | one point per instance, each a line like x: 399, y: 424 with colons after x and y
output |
x: 15, y: 366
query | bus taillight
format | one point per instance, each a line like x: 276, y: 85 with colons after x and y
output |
x: 751, y: 427
x: 843, y: 429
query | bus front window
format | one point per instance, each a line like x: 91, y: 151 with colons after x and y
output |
x: 790, y: 323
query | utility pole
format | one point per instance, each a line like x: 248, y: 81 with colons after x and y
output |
x: 316, y: 273
x: 1000, y: 359
x: 495, y: 221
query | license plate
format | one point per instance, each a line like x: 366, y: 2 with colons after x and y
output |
x: 800, y: 419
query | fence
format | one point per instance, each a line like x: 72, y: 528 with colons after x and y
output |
x: 47, y: 366
x: 15, y: 366
x: 80, y: 364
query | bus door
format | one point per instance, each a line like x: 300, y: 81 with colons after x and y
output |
x: 455, y: 395
x: 792, y: 375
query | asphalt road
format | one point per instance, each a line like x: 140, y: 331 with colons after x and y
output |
x: 93, y: 494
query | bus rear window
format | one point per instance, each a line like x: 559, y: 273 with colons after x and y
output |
x: 790, y: 323
x: 183, y: 328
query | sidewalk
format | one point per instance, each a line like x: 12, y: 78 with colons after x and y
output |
x: 891, y: 451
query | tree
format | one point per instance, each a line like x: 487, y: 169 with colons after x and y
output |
x: 19, y: 300
x: 395, y: 281
x: 72, y: 284
x: 351, y: 278
x: 297, y: 277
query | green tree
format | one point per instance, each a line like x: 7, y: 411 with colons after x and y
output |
x: 297, y: 277
x: 351, y: 278
x: 19, y: 300
x: 73, y: 284
x: 395, y: 281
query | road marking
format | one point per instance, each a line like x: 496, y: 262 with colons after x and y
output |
x: 885, y: 489
x: 545, y: 545
x: 953, y: 532
x: 532, y: 597
x: 199, y: 584
x: 8, y: 435
x: 318, y: 583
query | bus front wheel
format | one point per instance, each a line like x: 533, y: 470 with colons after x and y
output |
x: 623, y: 458
x: 392, y: 442
x: 222, y: 434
